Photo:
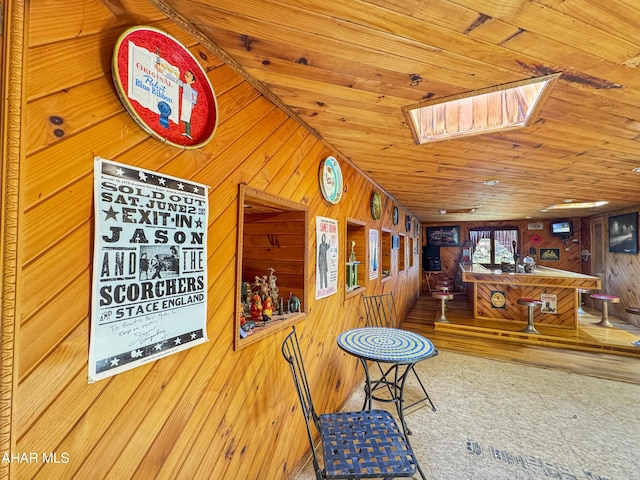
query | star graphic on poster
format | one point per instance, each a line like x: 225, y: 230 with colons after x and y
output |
x: 115, y: 362
x: 111, y: 213
x: 194, y: 335
x: 180, y: 186
x: 142, y: 176
x: 195, y: 189
x: 136, y: 354
x: 198, y: 223
x: 162, y: 181
x: 159, y: 346
x: 120, y: 172
x: 178, y: 341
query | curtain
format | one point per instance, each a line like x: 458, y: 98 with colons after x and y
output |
x: 489, y: 246
x: 506, y: 238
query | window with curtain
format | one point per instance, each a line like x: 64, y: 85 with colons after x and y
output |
x: 490, y: 244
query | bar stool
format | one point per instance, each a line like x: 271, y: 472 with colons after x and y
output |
x: 530, y: 303
x: 606, y: 300
x: 580, y: 292
x: 443, y: 297
x: 634, y: 311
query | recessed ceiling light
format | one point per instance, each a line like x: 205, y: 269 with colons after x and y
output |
x: 568, y: 200
x: 636, y: 170
x: 491, y: 183
x: 566, y: 206
x: 458, y: 210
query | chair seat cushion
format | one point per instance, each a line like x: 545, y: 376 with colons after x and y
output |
x: 529, y: 301
x: 605, y: 298
x: 365, y: 444
x: 440, y: 295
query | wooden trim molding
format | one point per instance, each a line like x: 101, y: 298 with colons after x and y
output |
x: 235, y: 66
x: 13, y: 54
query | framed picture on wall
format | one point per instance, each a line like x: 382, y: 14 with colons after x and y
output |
x: 373, y: 253
x: 444, y: 236
x: 623, y: 233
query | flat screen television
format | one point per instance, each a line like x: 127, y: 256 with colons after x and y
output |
x: 562, y: 228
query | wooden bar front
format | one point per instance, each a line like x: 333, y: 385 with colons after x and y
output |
x: 486, y: 283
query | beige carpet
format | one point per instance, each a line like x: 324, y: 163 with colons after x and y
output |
x: 505, y: 421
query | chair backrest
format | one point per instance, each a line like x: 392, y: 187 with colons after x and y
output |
x: 293, y: 355
x: 380, y: 310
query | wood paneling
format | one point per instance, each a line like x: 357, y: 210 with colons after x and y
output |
x: 621, y: 280
x: 210, y: 411
x: 348, y: 67
x: 346, y: 70
x: 569, y: 252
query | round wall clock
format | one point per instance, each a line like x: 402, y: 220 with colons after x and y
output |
x: 376, y: 206
x: 330, y: 177
x: 164, y: 88
x: 407, y: 222
x: 395, y: 215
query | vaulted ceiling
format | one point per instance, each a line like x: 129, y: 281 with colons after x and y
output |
x: 346, y: 68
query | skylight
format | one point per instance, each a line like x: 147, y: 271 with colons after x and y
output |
x: 489, y: 110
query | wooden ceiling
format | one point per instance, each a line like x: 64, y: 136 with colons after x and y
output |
x: 346, y: 68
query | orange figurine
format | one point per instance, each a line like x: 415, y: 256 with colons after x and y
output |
x: 256, y: 307
x: 267, y: 309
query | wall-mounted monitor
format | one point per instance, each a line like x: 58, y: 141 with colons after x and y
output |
x: 562, y: 228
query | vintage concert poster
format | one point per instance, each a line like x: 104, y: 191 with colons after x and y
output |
x: 149, y: 292
x: 327, y: 255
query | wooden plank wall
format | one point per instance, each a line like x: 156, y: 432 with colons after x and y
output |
x: 569, y: 260
x: 621, y: 277
x: 275, y: 239
x: 208, y: 412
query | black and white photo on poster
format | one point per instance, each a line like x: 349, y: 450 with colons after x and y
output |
x: 149, y: 292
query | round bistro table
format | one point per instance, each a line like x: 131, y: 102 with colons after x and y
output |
x: 400, y: 348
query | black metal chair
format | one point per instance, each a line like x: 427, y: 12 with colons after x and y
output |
x: 361, y: 444
x: 380, y: 311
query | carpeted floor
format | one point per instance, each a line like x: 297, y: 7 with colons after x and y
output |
x: 505, y: 421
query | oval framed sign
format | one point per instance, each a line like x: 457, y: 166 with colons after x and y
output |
x: 330, y: 177
x: 164, y: 88
x: 376, y: 206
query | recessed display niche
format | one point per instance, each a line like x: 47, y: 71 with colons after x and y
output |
x: 402, y: 252
x: 386, y: 248
x: 356, y: 263
x: 271, y: 265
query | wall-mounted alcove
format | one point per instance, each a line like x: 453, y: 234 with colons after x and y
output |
x: 402, y: 253
x: 386, y: 248
x: 413, y: 249
x: 356, y: 262
x: 271, y: 265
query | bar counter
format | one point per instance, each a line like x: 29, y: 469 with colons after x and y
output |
x: 493, y: 294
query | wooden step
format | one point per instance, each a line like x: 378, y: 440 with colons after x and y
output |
x: 589, y: 337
